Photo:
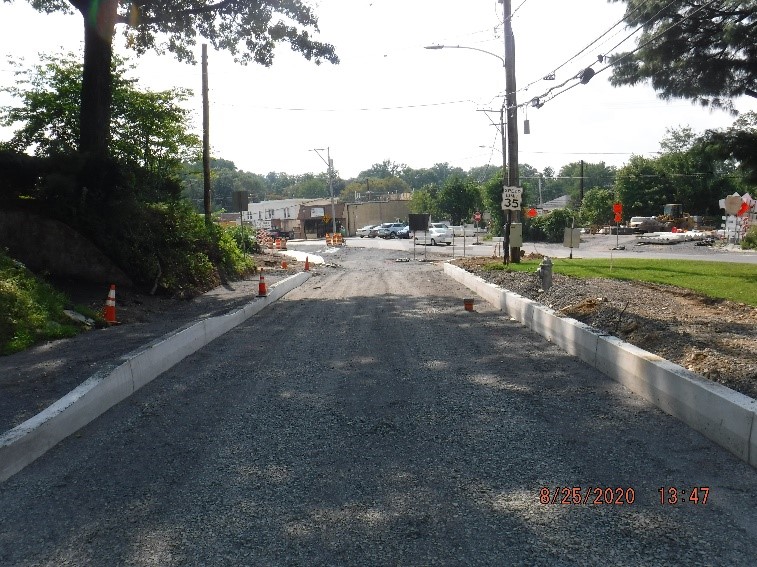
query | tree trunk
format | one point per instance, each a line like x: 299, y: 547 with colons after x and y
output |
x: 97, y: 92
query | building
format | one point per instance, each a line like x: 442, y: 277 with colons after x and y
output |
x: 311, y: 218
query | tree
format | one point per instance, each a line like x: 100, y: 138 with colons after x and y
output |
x: 248, y: 30
x: 149, y: 129
x: 738, y: 143
x: 491, y: 201
x: 643, y: 187
x: 457, y: 199
x: 225, y: 179
x: 596, y: 208
x: 436, y: 175
x: 700, y: 50
x: 383, y: 170
x: 425, y: 201
x: 370, y: 187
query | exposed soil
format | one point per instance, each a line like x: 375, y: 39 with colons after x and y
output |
x: 714, y: 338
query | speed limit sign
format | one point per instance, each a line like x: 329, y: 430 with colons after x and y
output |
x: 511, y: 198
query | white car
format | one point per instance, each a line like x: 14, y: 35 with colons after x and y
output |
x: 438, y: 233
x: 365, y: 231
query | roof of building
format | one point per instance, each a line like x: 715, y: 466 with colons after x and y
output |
x: 561, y: 202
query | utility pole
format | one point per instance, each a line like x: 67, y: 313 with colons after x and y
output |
x: 512, y: 116
x: 330, y: 165
x: 331, y: 190
x: 505, y: 181
x: 581, y: 192
x: 205, y: 134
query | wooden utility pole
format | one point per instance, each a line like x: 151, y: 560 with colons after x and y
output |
x: 205, y: 134
x: 581, y: 194
x: 511, y: 104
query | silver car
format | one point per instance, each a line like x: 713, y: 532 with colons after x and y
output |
x: 365, y: 231
x: 438, y: 233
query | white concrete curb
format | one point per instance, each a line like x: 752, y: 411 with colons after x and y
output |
x: 30, y: 440
x: 726, y: 417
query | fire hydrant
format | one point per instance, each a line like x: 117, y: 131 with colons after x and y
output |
x: 545, y: 273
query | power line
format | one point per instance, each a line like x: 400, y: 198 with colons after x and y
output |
x: 541, y: 99
x: 551, y: 73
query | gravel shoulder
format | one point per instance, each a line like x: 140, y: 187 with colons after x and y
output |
x: 714, y: 338
x: 33, y: 379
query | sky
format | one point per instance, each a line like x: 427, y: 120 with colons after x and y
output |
x: 391, y: 99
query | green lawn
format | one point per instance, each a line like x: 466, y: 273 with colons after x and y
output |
x: 722, y: 280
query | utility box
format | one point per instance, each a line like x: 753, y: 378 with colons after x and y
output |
x: 516, y: 235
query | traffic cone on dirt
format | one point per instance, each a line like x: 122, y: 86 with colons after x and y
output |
x: 109, y: 313
x: 307, y: 264
x: 284, y: 265
x: 262, y: 290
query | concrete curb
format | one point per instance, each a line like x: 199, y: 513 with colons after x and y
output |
x: 25, y: 443
x: 726, y: 417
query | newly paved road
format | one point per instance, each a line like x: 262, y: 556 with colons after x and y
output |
x: 368, y: 419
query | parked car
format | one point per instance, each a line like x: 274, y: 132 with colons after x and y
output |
x: 438, y: 233
x: 279, y: 233
x: 365, y: 231
x: 374, y: 231
x: 404, y: 232
x: 389, y: 229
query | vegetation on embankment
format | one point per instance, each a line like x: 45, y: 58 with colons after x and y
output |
x: 719, y: 280
x: 31, y: 310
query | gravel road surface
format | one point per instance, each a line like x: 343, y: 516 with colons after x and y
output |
x: 367, y: 419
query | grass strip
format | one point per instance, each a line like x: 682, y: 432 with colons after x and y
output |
x: 718, y: 280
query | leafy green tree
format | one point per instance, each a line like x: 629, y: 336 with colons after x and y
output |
x: 426, y: 201
x: 643, y: 187
x: 483, y: 173
x: 491, y: 202
x: 149, y: 129
x: 310, y: 186
x: 457, y: 199
x: 370, y: 187
x: 248, y: 30
x: 436, y: 175
x: 225, y: 178
x: 383, y: 170
x: 700, y: 50
x: 738, y: 144
x: 699, y: 177
x: 596, y: 208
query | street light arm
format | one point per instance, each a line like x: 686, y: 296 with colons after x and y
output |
x: 466, y: 47
x: 318, y: 151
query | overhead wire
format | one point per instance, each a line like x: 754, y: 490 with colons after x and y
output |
x: 550, y: 75
x: 542, y: 98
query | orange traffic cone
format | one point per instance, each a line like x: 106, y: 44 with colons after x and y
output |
x: 307, y: 264
x: 262, y: 290
x: 284, y: 265
x: 110, y: 306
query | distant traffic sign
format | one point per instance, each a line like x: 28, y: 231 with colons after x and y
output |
x: 476, y: 216
x: 511, y: 198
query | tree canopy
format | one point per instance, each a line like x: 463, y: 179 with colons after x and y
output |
x: 701, y: 50
x: 248, y: 30
x: 149, y: 129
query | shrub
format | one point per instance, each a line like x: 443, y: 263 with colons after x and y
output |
x: 30, y: 309
x: 551, y: 227
x: 167, y: 248
x: 749, y: 242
